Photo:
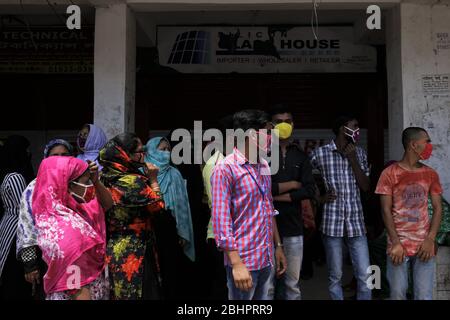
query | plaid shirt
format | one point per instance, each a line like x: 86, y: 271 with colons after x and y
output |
x: 242, y: 210
x: 346, y: 211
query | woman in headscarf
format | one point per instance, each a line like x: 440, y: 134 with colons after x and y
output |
x: 15, y: 172
x: 68, y: 206
x: 174, y: 231
x: 27, y: 249
x: 133, y: 266
x: 91, y: 139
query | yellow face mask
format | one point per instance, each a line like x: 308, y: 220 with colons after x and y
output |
x: 283, y: 130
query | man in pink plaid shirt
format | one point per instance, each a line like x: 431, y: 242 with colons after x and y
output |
x: 243, y: 214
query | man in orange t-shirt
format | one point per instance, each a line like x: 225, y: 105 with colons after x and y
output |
x: 404, y: 188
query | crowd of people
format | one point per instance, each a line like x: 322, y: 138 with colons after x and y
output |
x: 116, y: 219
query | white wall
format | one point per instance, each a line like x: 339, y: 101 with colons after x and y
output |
x: 413, y: 53
x: 114, y: 69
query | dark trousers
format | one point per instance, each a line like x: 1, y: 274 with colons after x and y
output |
x: 216, y: 275
x: 13, y: 285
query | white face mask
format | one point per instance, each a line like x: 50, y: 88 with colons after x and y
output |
x: 354, y: 135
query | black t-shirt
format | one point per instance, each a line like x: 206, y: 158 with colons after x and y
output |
x: 294, y: 166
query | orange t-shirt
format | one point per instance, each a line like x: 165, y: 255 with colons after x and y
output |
x: 409, y: 191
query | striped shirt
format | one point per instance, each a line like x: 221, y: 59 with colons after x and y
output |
x: 344, y: 216
x: 11, y: 192
x: 26, y: 230
x: 242, y: 210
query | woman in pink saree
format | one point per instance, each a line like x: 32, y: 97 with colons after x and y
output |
x: 68, y: 209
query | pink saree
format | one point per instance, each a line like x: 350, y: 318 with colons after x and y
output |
x: 71, y: 235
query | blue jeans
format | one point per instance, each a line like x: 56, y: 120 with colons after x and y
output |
x: 287, y: 287
x: 423, y: 278
x: 359, y: 254
x: 260, y: 289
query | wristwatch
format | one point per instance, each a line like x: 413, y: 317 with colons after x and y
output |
x: 279, y: 244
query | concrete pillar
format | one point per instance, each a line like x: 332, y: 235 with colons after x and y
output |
x: 395, y: 81
x: 418, y: 44
x: 114, y: 69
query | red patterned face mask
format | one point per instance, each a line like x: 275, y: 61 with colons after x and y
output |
x: 89, y: 192
x: 427, y: 151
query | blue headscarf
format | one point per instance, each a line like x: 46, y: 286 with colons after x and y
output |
x: 173, y: 189
x: 96, y: 140
x: 57, y: 142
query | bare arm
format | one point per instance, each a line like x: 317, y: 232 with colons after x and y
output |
x: 284, y: 187
x: 386, y: 206
x: 397, y: 252
x: 286, y: 197
x: 428, y: 248
x: 280, y: 258
x: 362, y: 179
x: 241, y: 276
x: 276, y: 234
x: 104, y: 196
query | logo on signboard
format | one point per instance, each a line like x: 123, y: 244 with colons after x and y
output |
x: 228, y: 44
x: 270, y: 48
x: 191, y: 47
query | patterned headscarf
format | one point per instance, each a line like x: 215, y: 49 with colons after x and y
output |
x: 69, y: 233
x: 128, y: 186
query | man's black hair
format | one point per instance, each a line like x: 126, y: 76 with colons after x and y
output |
x: 279, y: 109
x: 340, y: 121
x: 411, y: 134
x: 250, y: 119
x: 225, y: 123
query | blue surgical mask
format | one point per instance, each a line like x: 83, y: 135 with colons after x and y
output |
x: 166, y: 155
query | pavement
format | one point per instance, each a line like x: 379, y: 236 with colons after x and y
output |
x: 316, y: 288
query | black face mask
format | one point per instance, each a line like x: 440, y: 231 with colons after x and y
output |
x: 81, y: 142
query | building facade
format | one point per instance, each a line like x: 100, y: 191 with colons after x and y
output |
x: 408, y: 85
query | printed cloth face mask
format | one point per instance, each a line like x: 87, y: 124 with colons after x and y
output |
x: 89, y: 192
x: 353, y: 135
